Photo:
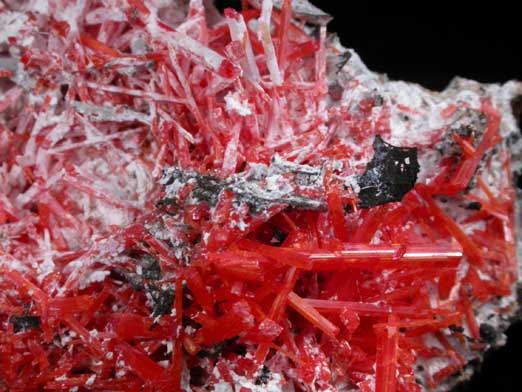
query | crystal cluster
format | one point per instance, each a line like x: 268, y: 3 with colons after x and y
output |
x: 192, y: 201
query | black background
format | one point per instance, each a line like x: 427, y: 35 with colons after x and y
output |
x: 429, y: 43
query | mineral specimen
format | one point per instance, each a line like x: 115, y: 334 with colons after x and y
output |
x: 192, y: 201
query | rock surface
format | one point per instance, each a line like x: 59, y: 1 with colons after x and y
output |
x: 234, y: 202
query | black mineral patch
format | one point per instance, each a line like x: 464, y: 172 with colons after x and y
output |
x: 474, y: 205
x: 162, y: 299
x: 390, y: 174
x: 206, y: 187
x: 456, y: 328
x: 224, y: 348
x: 212, y: 352
x: 198, y: 376
x: 264, y: 376
x: 24, y: 323
x: 516, y: 108
x: 343, y: 59
x: 488, y: 333
x: 278, y: 237
x: 123, y: 275
x: 150, y: 267
x: 167, y: 205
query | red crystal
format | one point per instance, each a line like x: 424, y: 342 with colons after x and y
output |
x: 179, y: 207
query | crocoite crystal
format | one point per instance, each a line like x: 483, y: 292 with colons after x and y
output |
x: 196, y: 201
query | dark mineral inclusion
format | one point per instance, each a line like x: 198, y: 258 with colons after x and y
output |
x: 390, y: 174
x: 24, y: 323
x: 162, y: 298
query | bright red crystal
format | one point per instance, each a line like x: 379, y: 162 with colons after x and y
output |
x: 111, y: 280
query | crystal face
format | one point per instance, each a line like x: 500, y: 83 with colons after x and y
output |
x: 192, y: 201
